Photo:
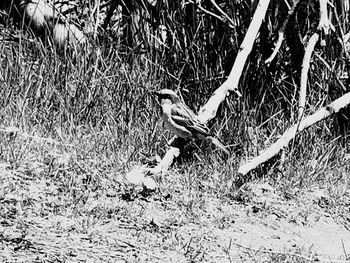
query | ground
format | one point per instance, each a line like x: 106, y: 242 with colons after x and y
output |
x: 40, y: 221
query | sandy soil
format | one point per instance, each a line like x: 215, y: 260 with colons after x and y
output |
x: 40, y: 222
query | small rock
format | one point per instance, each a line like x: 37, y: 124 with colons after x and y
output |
x: 136, y: 176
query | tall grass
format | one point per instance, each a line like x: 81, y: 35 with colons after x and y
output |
x: 99, y: 96
x: 73, y: 122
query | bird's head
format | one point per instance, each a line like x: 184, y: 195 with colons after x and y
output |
x: 167, y: 96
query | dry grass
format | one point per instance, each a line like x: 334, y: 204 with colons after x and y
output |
x: 72, y: 126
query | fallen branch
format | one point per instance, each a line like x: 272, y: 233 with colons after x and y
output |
x: 275, y: 148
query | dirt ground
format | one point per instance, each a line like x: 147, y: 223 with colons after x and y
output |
x: 41, y: 222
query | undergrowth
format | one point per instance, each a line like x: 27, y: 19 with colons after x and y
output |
x: 81, y: 121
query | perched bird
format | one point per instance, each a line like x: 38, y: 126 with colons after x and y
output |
x: 182, y: 121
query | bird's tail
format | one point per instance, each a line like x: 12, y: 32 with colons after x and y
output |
x: 218, y: 144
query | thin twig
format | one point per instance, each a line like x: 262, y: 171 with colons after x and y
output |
x: 160, y: 67
x: 331, y: 70
x: 222, y: 12
x: 208, y: 12
x: 281, y: 33
x: 343, y: 39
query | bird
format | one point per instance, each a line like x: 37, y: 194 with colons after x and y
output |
x: 182, y: 121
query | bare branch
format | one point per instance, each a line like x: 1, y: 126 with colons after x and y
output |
x: 222, y: 12
x: 324, y: 23
x: 275, y: 148
x: 208, y: 111
x: 281, y: 32
x: 167, y: 160
x: 321, y: 114
x: 304, y: 72
x: 207, y: 11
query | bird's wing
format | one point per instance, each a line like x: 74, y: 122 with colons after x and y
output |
x: 183, y: 116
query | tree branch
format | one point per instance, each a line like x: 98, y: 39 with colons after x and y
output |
x: 324, y: 23
x: 275, y: 148
x: 209, y: 110
x: 223, y: 13
x: 304, y: 72
x: 281, y: 32
x: 321, y: 114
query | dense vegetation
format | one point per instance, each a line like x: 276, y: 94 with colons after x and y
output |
x: 78, y: 119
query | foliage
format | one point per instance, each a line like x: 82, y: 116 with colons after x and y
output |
x: 84, y: 117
